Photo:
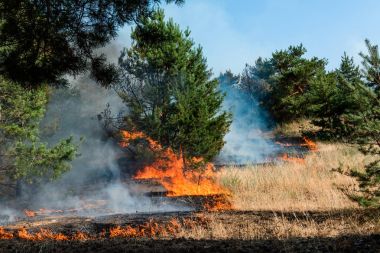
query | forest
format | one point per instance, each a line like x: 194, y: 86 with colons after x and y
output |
x: 157, y: 132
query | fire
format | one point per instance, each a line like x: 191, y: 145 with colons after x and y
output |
x: 29, y: 213
x: 312, y: 146
x: 43, y: 234
x: 287, y: 158
x: 81, y: 236
x: 4, y: 234
x: 149, y: 229
x: 169, y: 170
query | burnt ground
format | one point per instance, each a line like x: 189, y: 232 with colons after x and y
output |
x: 348, y: 243
x: 248, y: 231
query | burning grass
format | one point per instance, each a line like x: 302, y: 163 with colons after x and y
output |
x: 242, y: 225
x: 309, y: 184
x: 170, y: 170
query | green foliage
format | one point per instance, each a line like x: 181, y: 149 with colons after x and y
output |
x: 291, y: 80
x: 23, y: 155
x: 169, y: 90
x: 43, y: 40
x: 371, y: 64
x: 335, y: 97
x: 281, y: 82
x: 368, y: 126
x: 256, y: 80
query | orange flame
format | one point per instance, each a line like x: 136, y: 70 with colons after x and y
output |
x: 43, y: 234
x: 80, y: 236
x: 310, y: 144
x: 4, y: 234
x: 169, y: 170
x: 29, y: 213
x: 287, y: 158
x: 150, y: 229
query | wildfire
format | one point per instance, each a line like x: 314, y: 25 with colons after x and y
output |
x: 287, y: 158
x: 169, y: 170
x: 4, y: 234
x: 150, y: 229
x: 29, y: 213
x: 43, y: 234
x: 311, y: 145
x: 81, y: 236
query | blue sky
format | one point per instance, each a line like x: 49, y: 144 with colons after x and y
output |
x: 235, y: 32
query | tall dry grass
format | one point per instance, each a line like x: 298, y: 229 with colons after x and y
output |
x: 290, y: 186
x: 280, y: 226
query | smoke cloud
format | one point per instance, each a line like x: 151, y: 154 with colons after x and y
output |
x: 247, y: 141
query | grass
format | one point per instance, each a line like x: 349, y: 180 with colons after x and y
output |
x: 249, y: 226
x: 315, y: 184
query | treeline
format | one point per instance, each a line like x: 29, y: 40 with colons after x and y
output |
x: 344, y: 103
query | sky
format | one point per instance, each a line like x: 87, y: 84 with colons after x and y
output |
x: 235, y: 32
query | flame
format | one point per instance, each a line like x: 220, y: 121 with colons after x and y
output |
x: 150, y: 229
x: 287, y: 158
x: 4, y: 234
x: 312, y: 146
x: 169, y: 170
x: 29, y: 213
x: 43, y: 234
x: 81, y: 236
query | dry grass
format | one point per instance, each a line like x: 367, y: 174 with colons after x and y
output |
x: 283, y: 226
x: 288, y: 186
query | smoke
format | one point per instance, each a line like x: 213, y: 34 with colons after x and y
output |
x: 248, y: 141
x: 7, y: 214
x: 96, y: 183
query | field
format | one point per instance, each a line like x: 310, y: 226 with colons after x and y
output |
x: 300, y: 205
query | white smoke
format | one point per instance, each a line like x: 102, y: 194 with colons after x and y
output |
x: 247, y: 142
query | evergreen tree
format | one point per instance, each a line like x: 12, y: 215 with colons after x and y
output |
x: 334, y: 97
x: 42, y: 40
x: 169, y: 90
x: 368, y: 126
x: 23, y: 155
x: 371, y: 64
x: 291, y: 80
x: 256, y: 80
x: 281, y: 82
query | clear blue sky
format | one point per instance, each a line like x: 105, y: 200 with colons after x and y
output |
x: 235, y: 32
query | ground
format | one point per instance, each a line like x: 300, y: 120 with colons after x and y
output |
x: 295, y: 206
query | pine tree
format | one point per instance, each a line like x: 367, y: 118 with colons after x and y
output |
x: 368, y: 126
x: 256, y: 81
x: 291, y: 80
x: 281, y: 82
x: 22, y: 155
x: 334, y: 97
x: 43, y: 40
x: 169, y: 90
